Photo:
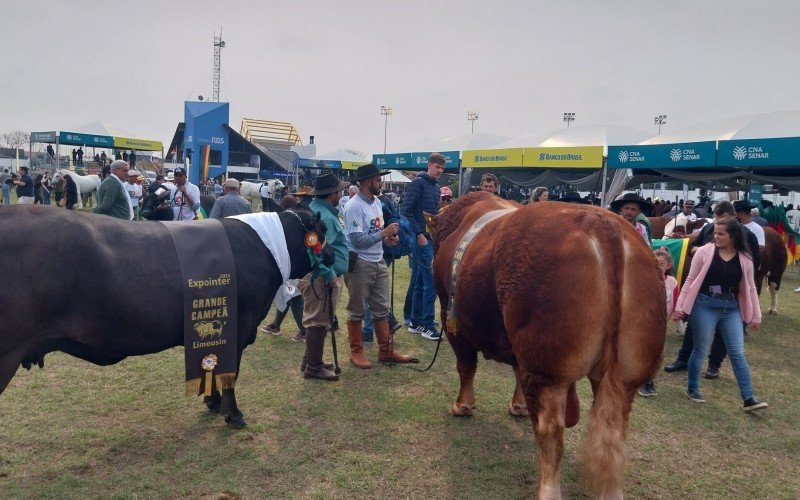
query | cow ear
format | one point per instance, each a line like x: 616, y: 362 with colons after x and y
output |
x: 431, y: 222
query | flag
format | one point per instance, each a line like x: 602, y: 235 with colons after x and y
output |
x: 204, y: 163
x: 677, y: 248
x: 776, y: 219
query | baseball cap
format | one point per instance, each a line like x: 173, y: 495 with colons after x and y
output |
x: 179, y: 171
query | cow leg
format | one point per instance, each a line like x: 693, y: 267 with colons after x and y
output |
x: 773, y: 295
x: 466, y: 364
x: 213, y: 402
x: 229, y: 410
x: 517, y: 407
x: 8, y: 367
x: 548, y: 425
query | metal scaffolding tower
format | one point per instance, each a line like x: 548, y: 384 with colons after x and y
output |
x: 219, y: 44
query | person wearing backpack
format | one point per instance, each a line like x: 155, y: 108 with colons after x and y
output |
x: 423, y: 195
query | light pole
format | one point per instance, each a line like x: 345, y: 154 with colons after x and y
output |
x: 385, y: 111
x: 472, y: 116
x: 569, y: 118
x: 660, y: 120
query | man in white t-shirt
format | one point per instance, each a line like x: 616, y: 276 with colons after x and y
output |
x: 793, y: 216
x: 134, y: 192
x: 743, y: 214
x: 185, y: 197
x: 266, y: 194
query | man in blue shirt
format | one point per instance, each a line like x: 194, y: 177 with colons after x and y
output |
x: 423, y: 196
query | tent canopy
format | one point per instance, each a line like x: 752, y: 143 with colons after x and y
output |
x: 600, y: 135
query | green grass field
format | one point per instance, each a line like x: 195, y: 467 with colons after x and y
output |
x: 75, y: 430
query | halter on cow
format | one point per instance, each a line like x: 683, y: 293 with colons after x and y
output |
x: 117, y: 313
x: 559, y: 292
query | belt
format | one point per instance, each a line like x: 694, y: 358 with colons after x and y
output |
x: 723, y: 296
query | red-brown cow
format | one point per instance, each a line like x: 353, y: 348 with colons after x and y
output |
x: 559, y: 292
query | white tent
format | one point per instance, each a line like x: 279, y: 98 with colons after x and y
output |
x: 339, y: 155
x: 760, y: 126
x: 601, y: 135
x: 100, y: 128
x: 461, y: 142
x: 395, y: 177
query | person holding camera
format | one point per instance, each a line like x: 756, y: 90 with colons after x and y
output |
x: 368, y: 278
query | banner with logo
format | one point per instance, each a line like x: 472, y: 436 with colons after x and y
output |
x: 743, y: 153
x: 396, y: 161
x: 492, y: 158
x: 353, y: 165
x: 664, y: 156
x: 563, y: 157
x: 43, y: 137
x: 419, y: 160
x: 140, y: 144
x: 76, y: 139
x: 754, y: 193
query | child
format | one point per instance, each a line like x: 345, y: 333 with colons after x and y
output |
x: 672, y: 289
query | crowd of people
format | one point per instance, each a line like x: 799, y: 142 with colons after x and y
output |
x: 718, y: 297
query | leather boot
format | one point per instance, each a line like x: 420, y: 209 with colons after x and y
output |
x: 315, y: 339
x: 386, y: 352
x: 357, y: 346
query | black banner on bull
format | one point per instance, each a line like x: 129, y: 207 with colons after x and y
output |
x: 209, y: 304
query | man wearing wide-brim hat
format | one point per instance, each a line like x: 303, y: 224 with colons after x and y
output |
x: 744, y: 214
x: 368, y: 279
x: 630, y: 206
x: 316, y: 316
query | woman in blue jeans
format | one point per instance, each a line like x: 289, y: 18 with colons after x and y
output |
x: 720, y: 291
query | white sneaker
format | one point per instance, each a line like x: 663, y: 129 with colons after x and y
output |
x: 797, y: 290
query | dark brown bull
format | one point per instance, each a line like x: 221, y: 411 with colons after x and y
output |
x: 118, y: 313
x: 559, y: 292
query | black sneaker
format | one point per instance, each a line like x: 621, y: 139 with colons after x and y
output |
x: 753, y: 404
x: 677, y: 366
x: 430, y: 334
x: 412, y: 328
x: 648, y: 390
x: 712, y: 373
x: 695, y: 396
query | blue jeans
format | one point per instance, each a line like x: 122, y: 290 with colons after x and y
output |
x: 368, y: 328
x: 6, y: 194
x: 47, y: 197
x: 423, y: 296
x: 410, y: 292
x: 709, y: 313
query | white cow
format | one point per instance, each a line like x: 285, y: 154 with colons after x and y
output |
x: 252, y: 190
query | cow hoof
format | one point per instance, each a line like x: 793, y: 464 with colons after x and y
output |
x: 462, y: 410
x: 773, y: 311
x: 236, y: 421
x: 518, y: 410
x: 212, y: 403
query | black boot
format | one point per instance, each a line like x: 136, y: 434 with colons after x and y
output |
x: 315, y: 339
x: 677, y: 366
x: 328, y: 366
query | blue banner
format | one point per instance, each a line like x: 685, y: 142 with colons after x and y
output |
x: 419, y: 161
x: 754, y: 193
x: 76, y: 139
x: 397, y: 161
x: 743, y: 153
x: 329, y: 164
x: 663, y: 156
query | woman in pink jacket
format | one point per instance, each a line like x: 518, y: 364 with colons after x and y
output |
x: 720, y: 291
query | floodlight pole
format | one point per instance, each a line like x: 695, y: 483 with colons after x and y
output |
x: 569, y: 118
x: 385, y: 111
x: 472, y: 116
x: 660, y: 120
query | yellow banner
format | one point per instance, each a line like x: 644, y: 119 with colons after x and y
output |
x: 140, y: 144
x: 492, y: 158
x: 352, y: 165
x: 564, y: 157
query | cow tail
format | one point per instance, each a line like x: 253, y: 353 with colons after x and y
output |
x: 603, y: 453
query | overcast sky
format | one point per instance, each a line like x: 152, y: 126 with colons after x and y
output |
x: 328, y: 66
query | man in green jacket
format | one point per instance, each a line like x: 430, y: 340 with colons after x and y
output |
x: 316, y: 316
x: 112, y: 198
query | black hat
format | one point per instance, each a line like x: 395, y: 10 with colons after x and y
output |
x: 369, y: 170
x: 742, y: 206
x: 179, y: 171
x: 573, y: 197
x: 326, y: 184
x: 630, y: 198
